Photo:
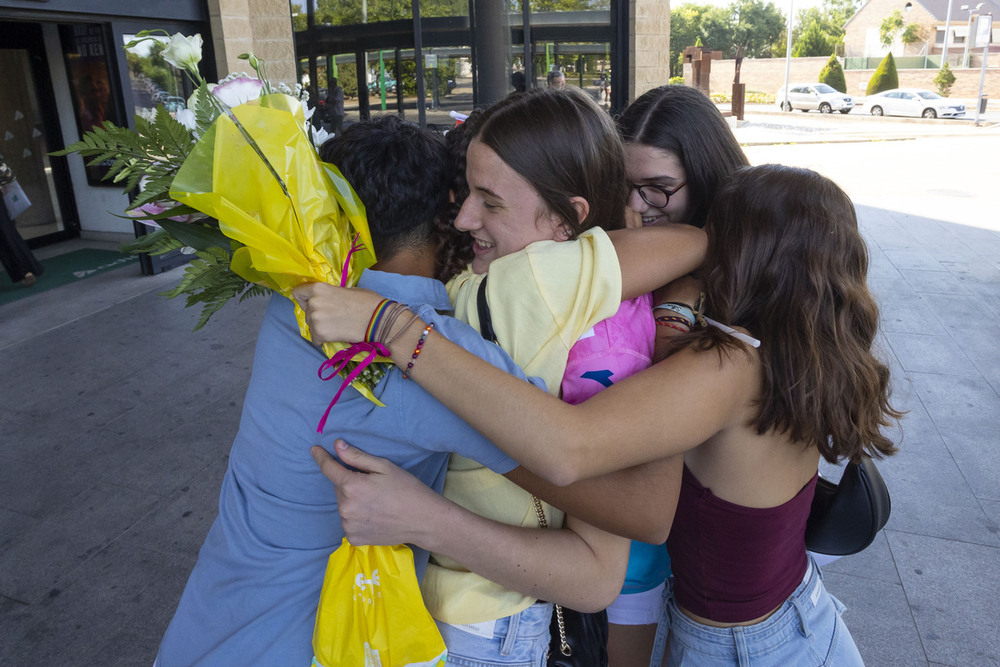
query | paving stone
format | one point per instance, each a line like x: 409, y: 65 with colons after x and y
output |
x: 918, y: 259
x: 930, y: 496
x: 953, y: 589
x: 875, y: 562
x: 178, y: 525
x: 884, y: 631
x: 934, y: 282
x: 922, y: 353
x: 46, y: 555
x: 966, y: 412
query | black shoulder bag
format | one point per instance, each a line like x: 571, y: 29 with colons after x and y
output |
x: 846, y: 517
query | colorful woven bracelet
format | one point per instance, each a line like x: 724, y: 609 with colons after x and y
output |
x: 375, y: 319
x: 672, y: 325
x: 682, y: 309
x: 416, y: 351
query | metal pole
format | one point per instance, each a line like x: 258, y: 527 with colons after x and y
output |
x: 526, y: 23
x: 418, y: 60
x: 788, y: 55
x: 947, y: 33
x: 988, y: 19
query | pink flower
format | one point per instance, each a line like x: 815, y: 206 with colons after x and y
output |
x: 155, y: 208
x: 237, y: 91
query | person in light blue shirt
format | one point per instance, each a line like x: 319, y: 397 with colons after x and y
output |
x: 253, y: 594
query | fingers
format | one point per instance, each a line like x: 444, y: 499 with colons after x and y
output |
x: 358, y: 459
x: 328, y: 465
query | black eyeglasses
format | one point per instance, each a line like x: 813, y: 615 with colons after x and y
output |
x: 654, y: 195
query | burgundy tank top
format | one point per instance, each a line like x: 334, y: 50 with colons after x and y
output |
x: 732, y: 563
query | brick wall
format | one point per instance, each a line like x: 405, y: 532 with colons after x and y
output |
x: 261, y: 26
x: 649, y: 45
x: 767, y: 75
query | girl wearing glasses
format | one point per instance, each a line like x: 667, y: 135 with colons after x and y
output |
x: 678, y: 152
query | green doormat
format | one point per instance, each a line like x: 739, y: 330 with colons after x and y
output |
x: 65, y: 269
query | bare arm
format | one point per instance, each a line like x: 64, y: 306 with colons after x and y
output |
x: 668, y: 409
x: 384, y: 504
x: 649, y: 491
x: 653, y: 256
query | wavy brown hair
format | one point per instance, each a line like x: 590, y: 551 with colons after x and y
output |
x: 786, y: 262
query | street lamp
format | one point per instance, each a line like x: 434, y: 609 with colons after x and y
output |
x: 968, y: 36
x: 947, y: 30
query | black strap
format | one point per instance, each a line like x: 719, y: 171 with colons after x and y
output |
x: 485, y: 320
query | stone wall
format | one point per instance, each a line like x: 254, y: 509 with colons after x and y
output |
x: 767, y: 75
x: 261, y: 26
x: 648, y: 45
x: 873, y: 12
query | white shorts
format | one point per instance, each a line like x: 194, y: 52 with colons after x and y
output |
x: 637, y: 608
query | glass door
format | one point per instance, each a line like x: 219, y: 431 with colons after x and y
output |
x: 29, y: 130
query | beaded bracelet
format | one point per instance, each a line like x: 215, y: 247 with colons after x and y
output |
x: 416, y: 351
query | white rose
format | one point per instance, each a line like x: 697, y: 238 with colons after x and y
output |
x: 184, y: 52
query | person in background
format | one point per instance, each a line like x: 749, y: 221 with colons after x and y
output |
x: 17, y: 258
x: 335, y: 107
x: 556, y: 80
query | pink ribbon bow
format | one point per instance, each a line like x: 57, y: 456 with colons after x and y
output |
x: 340, y: 360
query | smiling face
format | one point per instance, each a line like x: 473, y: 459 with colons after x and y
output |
x: 655, y: 166
x: 503, y: 212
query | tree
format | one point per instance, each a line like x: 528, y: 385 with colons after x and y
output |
x: 944, y: 80
x: 757, y: 27
x: 814, y: 41
x: 891, y: 26
x: 885, y: 76
x: 832, y: 75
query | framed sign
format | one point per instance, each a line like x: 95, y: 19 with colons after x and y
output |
x: 94, y: 91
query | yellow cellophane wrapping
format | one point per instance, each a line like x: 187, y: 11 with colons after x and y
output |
x: 288, y: 236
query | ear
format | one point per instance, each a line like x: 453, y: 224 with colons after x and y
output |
x: 582, y: 207
x: 562, y: 232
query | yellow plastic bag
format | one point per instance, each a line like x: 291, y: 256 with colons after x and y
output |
x: 371, y: 613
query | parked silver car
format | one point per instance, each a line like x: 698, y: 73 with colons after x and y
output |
x: 818, y: 96
x: 912, y: 102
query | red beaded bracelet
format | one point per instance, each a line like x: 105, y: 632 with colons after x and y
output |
x: 416, y: 351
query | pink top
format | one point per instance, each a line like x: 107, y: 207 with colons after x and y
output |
x: 612, y: 350
x: 731, y: 563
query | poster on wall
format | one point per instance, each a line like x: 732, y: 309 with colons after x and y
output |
x: 93, y: 89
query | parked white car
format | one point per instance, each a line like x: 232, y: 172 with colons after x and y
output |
x: 818, y: 96
x: 912, y: 102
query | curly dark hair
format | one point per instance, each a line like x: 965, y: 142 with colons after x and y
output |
x: 786, y: 262
x: 401, y: 173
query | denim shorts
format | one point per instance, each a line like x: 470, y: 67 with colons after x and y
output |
x: 805, y: 631
x: 521, y: 640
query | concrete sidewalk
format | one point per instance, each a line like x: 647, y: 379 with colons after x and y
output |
x: 117, y: 421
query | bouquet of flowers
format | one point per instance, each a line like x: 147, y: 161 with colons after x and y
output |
x: 235, y: 179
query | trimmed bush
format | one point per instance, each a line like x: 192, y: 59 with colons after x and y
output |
x: 885, y: 76
x: 832, y: 75
x: 944, y: 80
x: 676, y: 81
